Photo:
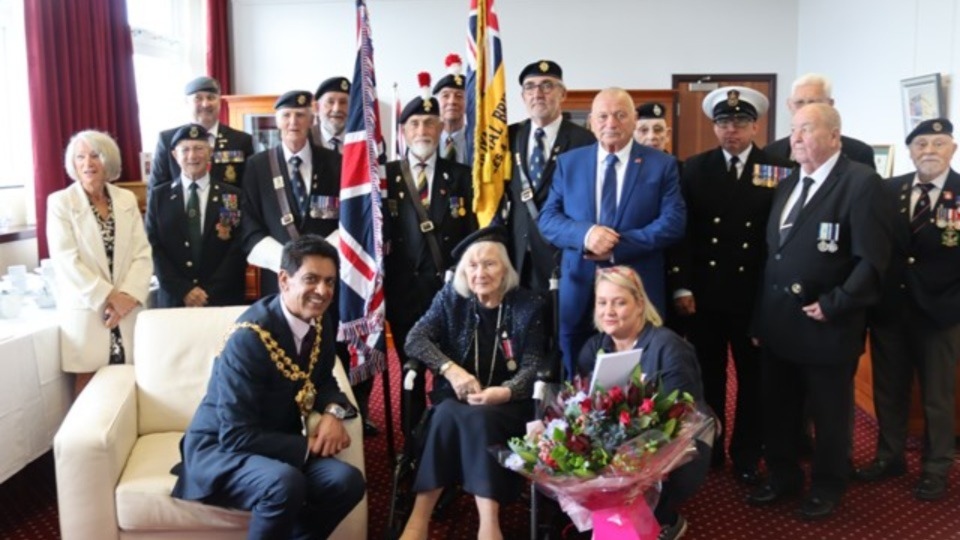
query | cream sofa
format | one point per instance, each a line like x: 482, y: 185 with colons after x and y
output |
x: 115, y: 449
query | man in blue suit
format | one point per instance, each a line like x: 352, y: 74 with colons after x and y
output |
x: 247, y: 446
x: 613, y: 202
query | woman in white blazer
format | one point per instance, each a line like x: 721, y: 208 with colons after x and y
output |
x: 101, y: 255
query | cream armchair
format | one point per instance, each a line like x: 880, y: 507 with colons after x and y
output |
x: 115, y: 449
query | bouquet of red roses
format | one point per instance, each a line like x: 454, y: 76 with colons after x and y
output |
x: 602, y: 454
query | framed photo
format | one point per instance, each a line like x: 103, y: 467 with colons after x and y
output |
x: 883, y: 158
x: 922, y: 99
x: 146, y: 162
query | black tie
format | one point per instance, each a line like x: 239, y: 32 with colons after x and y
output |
x: 335, y: 141
x: 921, y: 210
x: 194, y: 228
x: 296, y: 181
x: 306, y: 346
x: 732, y: 170
x: 537, y: 158
x: 795, y: 211
x: 608, y: 194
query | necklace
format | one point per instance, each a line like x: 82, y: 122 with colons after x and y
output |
x: 307, y: 395
x: 493, y: 355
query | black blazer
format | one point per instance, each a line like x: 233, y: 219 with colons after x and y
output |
x: 261, y: 209
x: 721, y: 257
x: 521, y: 226
x: 854, y: 149
x: 411, y: 278
x: 230, y: 154
x: 846, y: 281
x: 222, y: 265
x: 924, y: 271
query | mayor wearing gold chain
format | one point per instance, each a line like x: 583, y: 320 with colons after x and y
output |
x: 483, y: 337
x: 248, y: 446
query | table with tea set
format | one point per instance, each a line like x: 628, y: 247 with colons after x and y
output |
x: 34, y: 394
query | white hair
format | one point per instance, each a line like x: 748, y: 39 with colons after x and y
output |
x: 102, y: 144
x: 511, y: 280
x: 813, y: 78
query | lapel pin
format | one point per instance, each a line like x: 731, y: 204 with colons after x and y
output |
x: 638, y: 161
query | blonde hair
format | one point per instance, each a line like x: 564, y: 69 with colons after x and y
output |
x: 626, y: 278
x: 102, y: 144
x: 511, y: 280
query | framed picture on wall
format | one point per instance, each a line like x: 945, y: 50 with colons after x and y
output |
x: 922, y: 99
x: 883, y: 158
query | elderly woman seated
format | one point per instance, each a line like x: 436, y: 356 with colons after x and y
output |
x: 484, y: 338
x: 627, y: 320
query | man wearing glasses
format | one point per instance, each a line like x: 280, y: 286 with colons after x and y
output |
x: 714, y: 271
x: 611, y: 203
x: 535, y: 144
x: 816, y: 88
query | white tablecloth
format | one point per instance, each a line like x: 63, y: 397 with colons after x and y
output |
x: 34, y: 393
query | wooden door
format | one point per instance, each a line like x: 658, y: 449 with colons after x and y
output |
x: 693, y: 131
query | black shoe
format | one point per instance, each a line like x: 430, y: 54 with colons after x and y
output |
x: 931, y: 487
x: 370, y: 429
x: 749, y: 476
x: 879, y: 469
x: 768, y: 494
x: 816, y: 508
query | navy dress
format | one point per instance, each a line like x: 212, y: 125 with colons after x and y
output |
x: 458, y: 435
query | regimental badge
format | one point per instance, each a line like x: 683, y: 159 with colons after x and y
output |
x: 230, y: 174
x: 769, y: 176
x: 950, y: 238
x: 544, y: 67
x: 796, y: 288
x: 344, y: 85
x: 194, y: 133
x: 828, y: 237
x: 427, y: 105
x: 657, y: 110
x: 324, y: 207
x: 937, y: 126
x: 301, y: 99
x: 458, y: 80
x: 733, y: 98
x: 223, y: 231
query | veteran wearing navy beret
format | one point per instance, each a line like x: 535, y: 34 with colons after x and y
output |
x: 331, y: 106
x: 652, y: 129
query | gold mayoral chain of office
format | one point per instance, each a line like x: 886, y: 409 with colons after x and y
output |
x: 307, y: 395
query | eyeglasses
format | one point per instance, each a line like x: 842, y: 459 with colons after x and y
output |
x: 727, y: 123
x: 546, y: 87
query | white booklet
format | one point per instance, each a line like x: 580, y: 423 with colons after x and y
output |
x: 614, y: 369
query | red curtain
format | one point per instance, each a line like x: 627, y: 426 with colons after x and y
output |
x: 80, y: 72
x: 218, y: 48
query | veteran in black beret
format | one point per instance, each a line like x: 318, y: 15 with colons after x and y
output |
x: 713, y: 272
x: 428, y: 210
x: 230, y: 147
x: 331, y: 104
x: 193, y: 225
x: 450, y: 92
x: 652, y: 129
x: 916, y: 327
x: 289, y: 190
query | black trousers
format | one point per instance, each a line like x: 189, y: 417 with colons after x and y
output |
x: 711, y: 334
x: 826, y: 389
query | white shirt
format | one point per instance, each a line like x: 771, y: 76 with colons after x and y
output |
x: 742, y: 157
x: 818, y: 176
x: 431, y: 167
x: 212, y: 134
x: 298, y: 326
x: 327, y: 135
x: 549, y: 138
x: 306, y: 165
x: 203, y: 192
x: 623, y: 155
x: 934, y: 192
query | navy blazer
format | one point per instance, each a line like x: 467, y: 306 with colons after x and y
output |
x: 845, y: 282
x: 854, y: 149
x: 222, y: 267
x: 230, y: 153
x: 249, y: 407
x: 651, y: 216
x: 924, y: 271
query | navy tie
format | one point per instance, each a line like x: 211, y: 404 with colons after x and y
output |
x: 795, y: 210
x: 608, y: 198
x: 732, y: 170
x: 921, y: 210
x: 296, y: 181
x: 537, y: 158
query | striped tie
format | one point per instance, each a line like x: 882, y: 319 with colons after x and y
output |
x: 921, y: 210
x: 450, y: 150
x: 422, y: 185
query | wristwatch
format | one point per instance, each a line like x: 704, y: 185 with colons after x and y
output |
x: 336, y: 410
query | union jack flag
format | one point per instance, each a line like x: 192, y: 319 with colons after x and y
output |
x: 361, y: 220
x: 488, y: 147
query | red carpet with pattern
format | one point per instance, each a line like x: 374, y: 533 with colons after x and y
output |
x: 885, y: 511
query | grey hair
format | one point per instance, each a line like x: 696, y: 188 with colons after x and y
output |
x: 511, y: 280
x: 813, y: 78
x: 99, y: 142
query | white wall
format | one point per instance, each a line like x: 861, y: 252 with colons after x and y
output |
x: 285, y: 44
x: 866, y: 47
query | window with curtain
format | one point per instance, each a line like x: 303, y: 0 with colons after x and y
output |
x: 169, y: 44
x: 14, y: 107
